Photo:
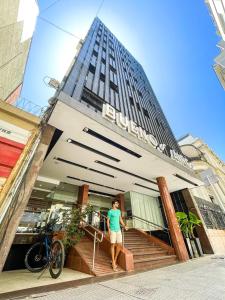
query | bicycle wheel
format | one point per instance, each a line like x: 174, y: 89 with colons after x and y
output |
x: 57, y: 259
x: 35, y: 259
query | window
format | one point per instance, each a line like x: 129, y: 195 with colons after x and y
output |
x: 95, y: 53
x: 138, y: 106
x: 133, y: 87
x: 103, y: 49
x: 131, y: 101
x: 113, y: 86
x: 112, y: 57
x: 146, y: 112
x: 157, y: 121
x: 92, y: 69
x: 211, y: 198
x: 103, y: 60
x: 125, y: 70
x: 135, y: 79
x: 140, y: 93
x: 112, y: 69
x: 127, y: 82
x: 102, y: 77
x: 129, y: 74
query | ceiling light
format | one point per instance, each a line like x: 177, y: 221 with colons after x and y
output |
x: 69, y: 140
x: 85, y: 129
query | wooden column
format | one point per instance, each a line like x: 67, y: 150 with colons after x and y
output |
x: 175, y: 233
x: 121, y: 199
x: 83, y: 195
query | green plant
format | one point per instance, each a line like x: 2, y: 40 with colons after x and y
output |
x: 72, y: 222
x: 187, y: 223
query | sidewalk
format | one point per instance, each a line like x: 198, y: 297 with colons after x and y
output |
x: 200, y: 279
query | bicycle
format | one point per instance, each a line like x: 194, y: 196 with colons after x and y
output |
x: 46, y: 253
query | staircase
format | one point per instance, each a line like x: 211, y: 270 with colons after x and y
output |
x: 83, y: 252
x: 147, y: 254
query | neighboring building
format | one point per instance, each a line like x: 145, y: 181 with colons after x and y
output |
x: 217, y: 11
x: 17, y: 21
x: 209, y: 198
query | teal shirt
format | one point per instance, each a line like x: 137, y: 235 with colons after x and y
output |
x: 114, y: 219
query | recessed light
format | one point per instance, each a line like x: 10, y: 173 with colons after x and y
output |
x: 69, y: 140
x: 85, y: 129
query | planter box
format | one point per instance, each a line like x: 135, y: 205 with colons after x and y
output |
x: 189, y: 247
x: 199, y: 247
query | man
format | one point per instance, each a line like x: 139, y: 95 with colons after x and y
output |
x: 114, y: 220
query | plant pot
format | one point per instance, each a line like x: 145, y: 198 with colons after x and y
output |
x: 189, y: 247
x: 199, y: 247
x: 194, y: 248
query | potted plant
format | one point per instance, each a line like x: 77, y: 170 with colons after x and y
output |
x: 72, y: 223
x: 188, y: 223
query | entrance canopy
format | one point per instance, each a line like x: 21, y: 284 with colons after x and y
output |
x: 88, y: 149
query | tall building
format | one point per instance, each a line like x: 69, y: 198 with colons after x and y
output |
x: 112, y: 141
x: 105, y: 72
x: 217, y: 11
x: 17, y: 21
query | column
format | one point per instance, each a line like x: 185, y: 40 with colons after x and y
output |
x: 121, y: 199
x: 83, y: 195
x: 174, y: 228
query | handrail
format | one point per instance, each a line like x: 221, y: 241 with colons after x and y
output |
x: 96, y: 239
x: 98, y: 212
x: 104, y: 219
x: 165, y: 229
x: 149, y: 222
x: 96, y: 230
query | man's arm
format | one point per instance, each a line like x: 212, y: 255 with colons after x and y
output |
x: 108, y: 225
x: 122, y: 223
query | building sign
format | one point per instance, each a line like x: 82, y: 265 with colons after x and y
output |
x: 110, y: 114
x: 14, y: 133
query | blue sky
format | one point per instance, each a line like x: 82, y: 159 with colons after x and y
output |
x: 175, y: 44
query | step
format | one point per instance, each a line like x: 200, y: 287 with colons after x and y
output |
x: 156, y: 261
x: 131, y: 239
x: 158, y: 258
x: 138, y: 246
x: 150, y: 254
x: 144, y: 243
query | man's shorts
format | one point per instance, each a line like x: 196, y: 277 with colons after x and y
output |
x: 115, y: 237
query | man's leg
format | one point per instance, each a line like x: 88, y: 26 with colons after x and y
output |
x: 113, y: 255
x: 119, y: 244
x: 113, y: 243
x: 118, y: 247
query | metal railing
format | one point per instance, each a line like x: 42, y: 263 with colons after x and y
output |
x: 30, y: 107
x: 152, y: 224
x: 97, y: 238
x: 104, y: 220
